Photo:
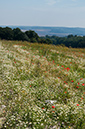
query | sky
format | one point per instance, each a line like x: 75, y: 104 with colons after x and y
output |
x: 59, y: 13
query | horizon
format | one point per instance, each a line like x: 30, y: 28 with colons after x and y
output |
x: 39, y: 26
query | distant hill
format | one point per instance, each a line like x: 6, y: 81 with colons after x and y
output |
x: 58, y: 31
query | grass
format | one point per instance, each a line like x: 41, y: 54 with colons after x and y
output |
x: 41, y: 86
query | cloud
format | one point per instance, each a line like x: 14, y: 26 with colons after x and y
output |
x: 51, y: 2
x: 73, y: 0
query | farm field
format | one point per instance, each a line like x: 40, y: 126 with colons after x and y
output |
x: 41, y: 86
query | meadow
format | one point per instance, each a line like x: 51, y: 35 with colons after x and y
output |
x: 41, y: 86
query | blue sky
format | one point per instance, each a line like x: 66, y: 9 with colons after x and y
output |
x: 66, y: 13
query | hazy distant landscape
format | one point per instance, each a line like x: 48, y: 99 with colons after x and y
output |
x: 58, y: 31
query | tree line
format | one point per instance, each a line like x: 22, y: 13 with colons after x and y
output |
x: 31, y: 36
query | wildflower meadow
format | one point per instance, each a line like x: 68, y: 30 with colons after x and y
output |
x: 41, y: 86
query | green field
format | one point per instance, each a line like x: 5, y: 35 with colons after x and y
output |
x: 41, y: 86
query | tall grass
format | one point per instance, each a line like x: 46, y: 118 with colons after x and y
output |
x: 41, y: 86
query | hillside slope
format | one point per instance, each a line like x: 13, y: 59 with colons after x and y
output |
x: 42, y: 86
